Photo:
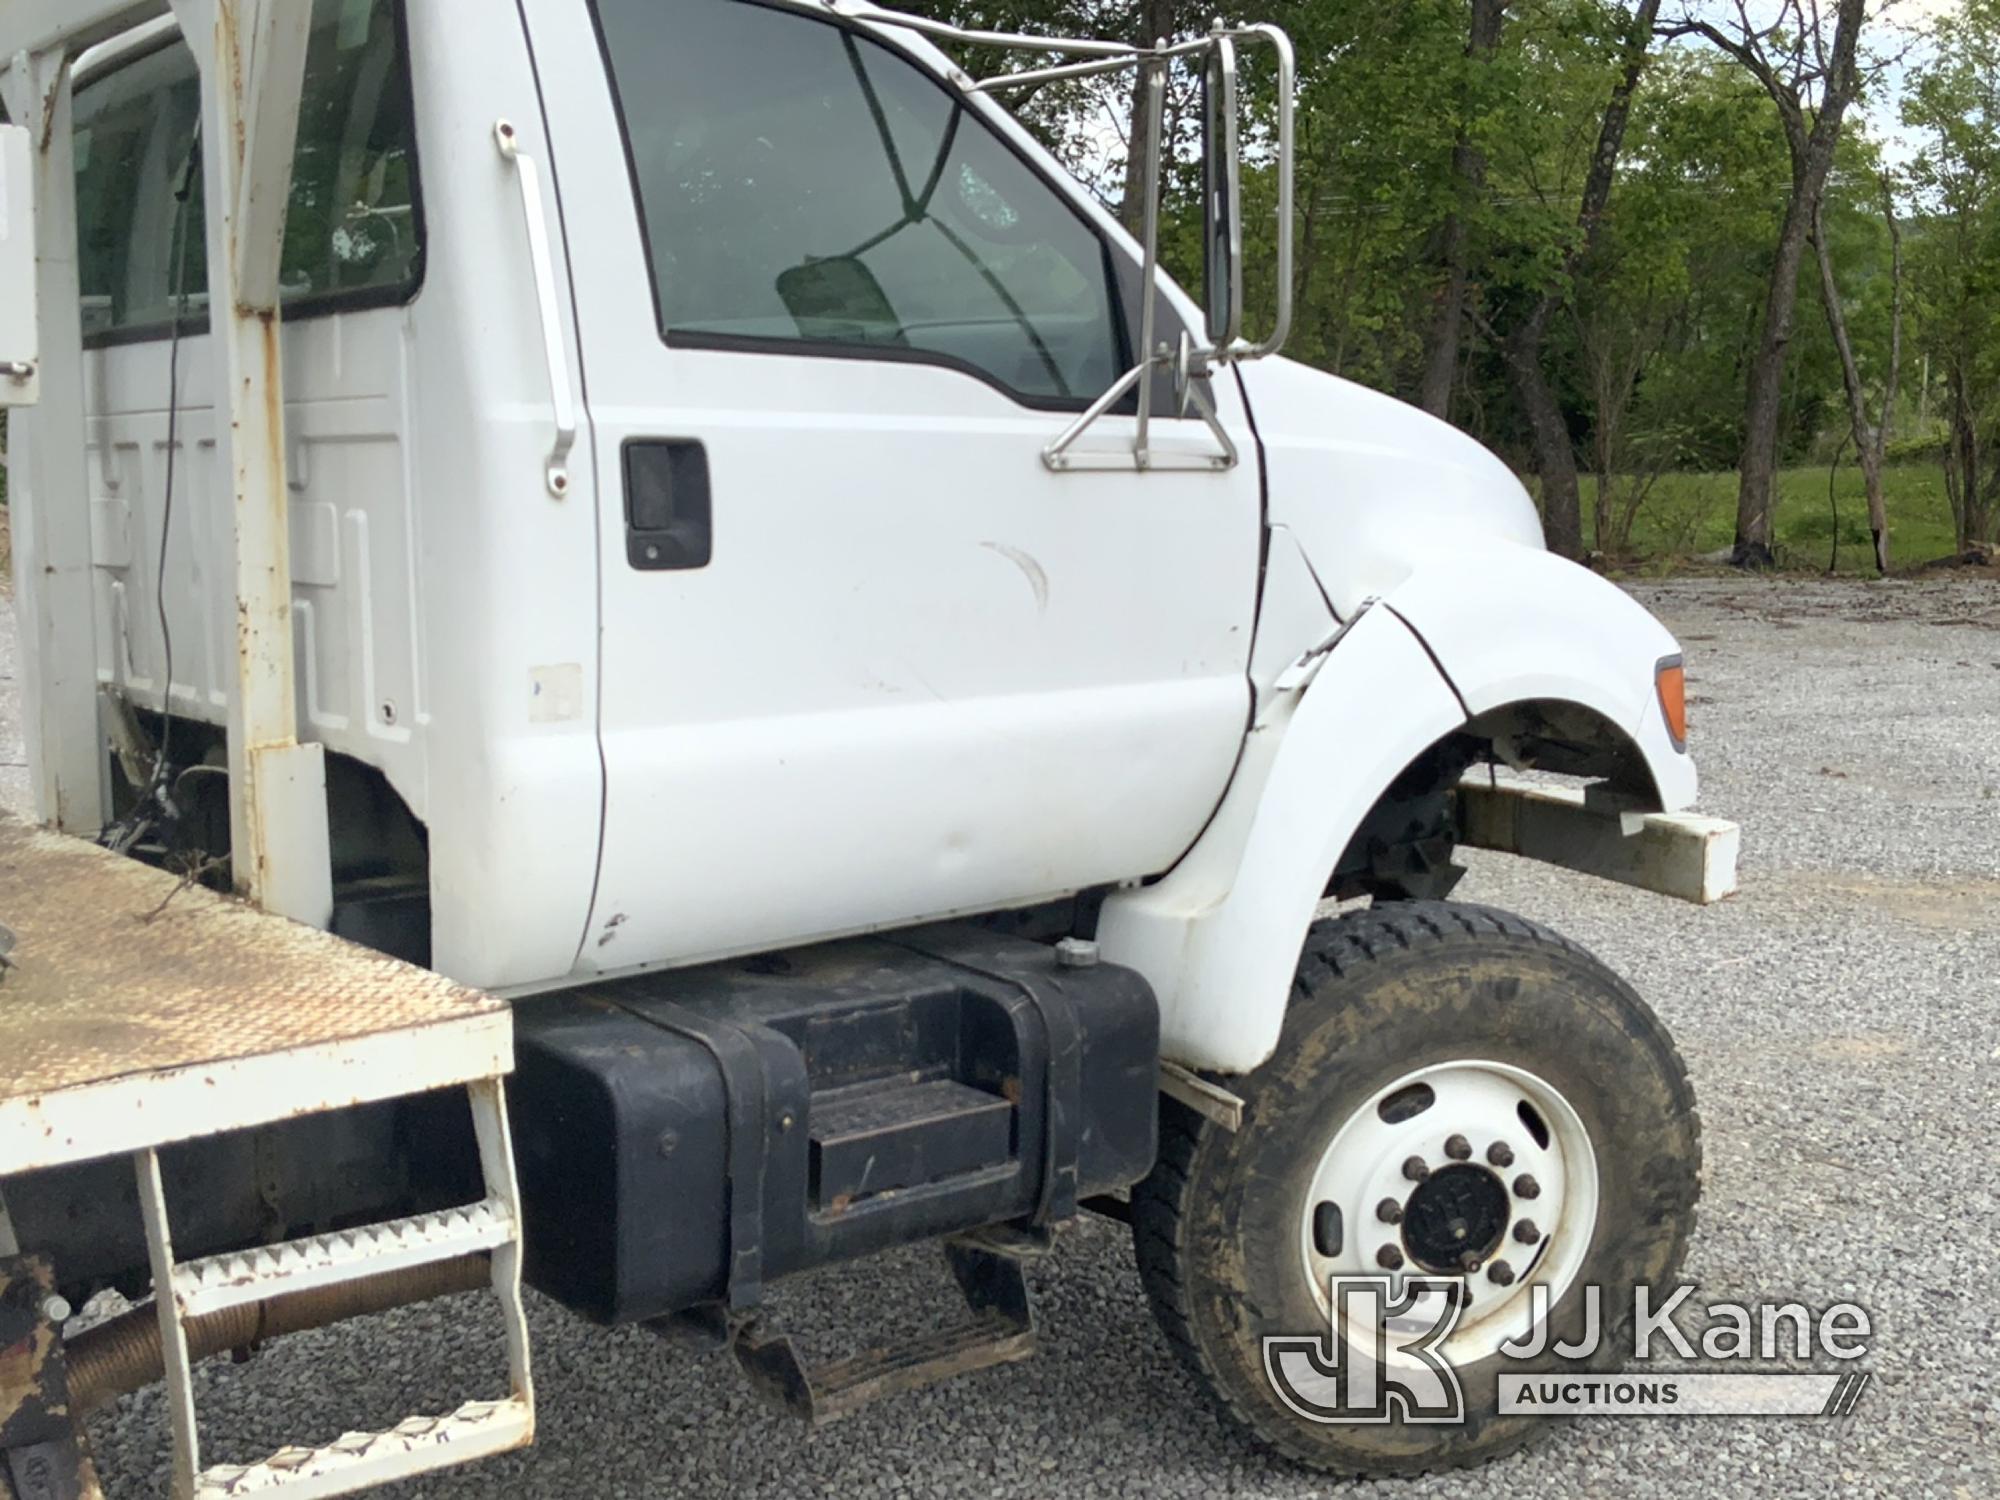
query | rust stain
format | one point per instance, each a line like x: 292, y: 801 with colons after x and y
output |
x: 30, y: 1380
x: 20, y: 1372
x: 232, y: 48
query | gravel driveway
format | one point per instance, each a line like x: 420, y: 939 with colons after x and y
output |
x: 1841, y: 1021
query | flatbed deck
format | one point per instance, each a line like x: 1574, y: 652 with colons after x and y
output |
x: 138, y: 1012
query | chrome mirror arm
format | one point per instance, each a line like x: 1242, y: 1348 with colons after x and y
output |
x: 1149, y: 278
x: 1287, y: 87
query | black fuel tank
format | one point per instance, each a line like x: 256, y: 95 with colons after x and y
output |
x: 682, y: 1137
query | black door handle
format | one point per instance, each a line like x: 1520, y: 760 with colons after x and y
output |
x: 667, y: 510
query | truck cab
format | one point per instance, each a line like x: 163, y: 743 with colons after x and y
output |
x: 761, y: 569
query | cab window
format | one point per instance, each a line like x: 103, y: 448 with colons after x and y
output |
x: 353, y: 231
x: 806, y: 189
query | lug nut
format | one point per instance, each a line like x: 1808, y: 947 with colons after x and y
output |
x: 1416, y: 1169
x: 1469, y: 1261
x: 1389, y: 1211
x: 1526, y: 1232
x: 1500, y: 1273
x: 1526, y: 1187
x: 1389, y: 1258
x: 1500, y: 1154
x: 56, y: 1308
x: 1458, y: 1148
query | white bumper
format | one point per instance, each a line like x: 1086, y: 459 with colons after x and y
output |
x: 1684, y: 855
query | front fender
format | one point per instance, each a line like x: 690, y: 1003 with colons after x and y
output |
x: 1511, y: 624
x: 1465, y: 633
x: 1219, y: 937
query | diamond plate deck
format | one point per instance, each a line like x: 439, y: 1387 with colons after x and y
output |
x: 128, y: 1023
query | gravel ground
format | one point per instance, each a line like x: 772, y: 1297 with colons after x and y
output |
x: 1840, y: 1020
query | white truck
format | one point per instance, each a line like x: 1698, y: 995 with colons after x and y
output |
x: 745, y: 604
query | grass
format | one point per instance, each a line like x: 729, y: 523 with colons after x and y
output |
x: 1686, y: 515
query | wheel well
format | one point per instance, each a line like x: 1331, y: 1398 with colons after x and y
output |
x: 1402, y: 849
x: 379, y: 850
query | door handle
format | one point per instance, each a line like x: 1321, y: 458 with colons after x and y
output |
x: 668, y: 514
x: 543, y: 264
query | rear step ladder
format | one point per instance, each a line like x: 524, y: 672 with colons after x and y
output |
x: 357, y: 1460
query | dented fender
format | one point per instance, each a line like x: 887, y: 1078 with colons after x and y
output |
x: 1338, y: 717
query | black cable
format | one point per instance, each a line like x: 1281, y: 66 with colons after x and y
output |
x: 123, y: 834
x: 180, y: 295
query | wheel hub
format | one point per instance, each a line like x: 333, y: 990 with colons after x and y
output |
x: 1455, y: 1219
x: 1475, y: 1173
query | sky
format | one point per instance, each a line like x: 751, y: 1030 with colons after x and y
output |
x: 1895, y: 30
x: 1909, y: 17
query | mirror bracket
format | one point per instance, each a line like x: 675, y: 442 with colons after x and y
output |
x: 1192, y: 363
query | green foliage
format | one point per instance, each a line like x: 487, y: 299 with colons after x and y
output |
x: 1954, y: 108
x: 1649, y: 353
x: 1694, y: 514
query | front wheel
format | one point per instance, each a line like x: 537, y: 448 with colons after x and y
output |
x: 1459, y: 1095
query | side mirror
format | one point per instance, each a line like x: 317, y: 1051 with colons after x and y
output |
x: 1221, y: 197
x: 20, y: 350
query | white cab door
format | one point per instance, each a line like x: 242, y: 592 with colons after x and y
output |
x: 865, y: 659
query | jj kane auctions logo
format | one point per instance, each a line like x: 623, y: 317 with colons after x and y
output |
x: 1385, y: 1356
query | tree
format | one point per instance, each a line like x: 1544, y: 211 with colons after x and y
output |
x: 1157, y: 20
x: 1811, y: 81
x: 1522, y: 346
x: 1955, y: 103
x: 1376, y: 133
x: 1487, y: 20
x: 1871, y: 437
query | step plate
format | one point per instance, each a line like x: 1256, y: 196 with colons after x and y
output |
x: 206, y: 1286
x: 362, y: 1460
x: 839, y: 1389
x: 872, y: 1140
x: 1002, y: 1329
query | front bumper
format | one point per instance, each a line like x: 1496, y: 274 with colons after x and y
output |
x: 1683, y: 855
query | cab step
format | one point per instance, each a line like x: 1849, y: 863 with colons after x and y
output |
x: 872, y: 1139
x: 1002, y: 1330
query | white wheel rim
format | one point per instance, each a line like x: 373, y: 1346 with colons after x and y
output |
x: 1521, y: 1141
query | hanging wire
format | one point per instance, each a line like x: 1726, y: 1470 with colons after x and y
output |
x: 156, y: 800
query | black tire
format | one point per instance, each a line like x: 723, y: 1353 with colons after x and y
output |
x: 1378, y: 994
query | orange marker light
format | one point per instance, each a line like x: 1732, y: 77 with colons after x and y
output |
x: 1670, y: 677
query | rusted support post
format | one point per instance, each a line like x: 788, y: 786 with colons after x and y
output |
x: 252, y: 59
